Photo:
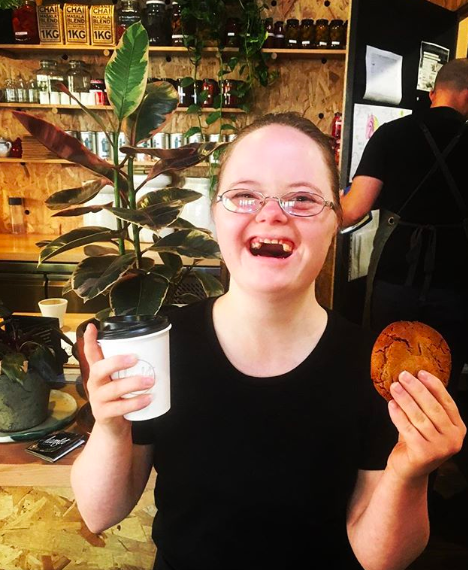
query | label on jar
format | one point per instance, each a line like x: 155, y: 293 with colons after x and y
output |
x: 50, y: 22
x: 102, y: 25
x: 279, y: 36
x: 76, y: 23
x: 335, y: 43
x: 305, y: 43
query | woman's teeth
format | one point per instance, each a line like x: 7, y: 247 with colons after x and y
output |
x: 272, y: 246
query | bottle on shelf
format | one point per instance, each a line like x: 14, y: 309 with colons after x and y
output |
x: 307, y: 34
x: 232, y: 32
x: 177, y: 34
x: 156, y: 23
x: 79, y: 81
x: 270, y: 35
x: 128, y: 13
x: 291, y: 34
x: 16, y: 215
x: 44, y: 75
x: 322, y: 34
x: 24, y: 22
x: 337, y: 34
x: 279, y: 34
x: 21, y: 90
x: 50, y: 22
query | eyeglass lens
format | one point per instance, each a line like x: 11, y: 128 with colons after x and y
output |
x: 294, y: 203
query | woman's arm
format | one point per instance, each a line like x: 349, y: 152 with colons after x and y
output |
x: 388, y: 524
x: 110, y: 474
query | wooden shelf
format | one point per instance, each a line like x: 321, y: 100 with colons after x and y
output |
x: 225, y: 110
x: 26, y: 160
x: 10, y: 50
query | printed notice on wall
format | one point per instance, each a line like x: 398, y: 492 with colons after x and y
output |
x: 432, y: 58
x: 383, y: 76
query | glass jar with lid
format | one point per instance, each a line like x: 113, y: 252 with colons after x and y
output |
x: 322, y: 34
x: 156, y: 23
x: 270, y: 35
x: 79, y: 80
x: 279, y: 34
x: 24, y: 20
x: 128, y: 13
x: 232, y: 32
x: 307, y: 34
x: 291, y: 34
x: 177, y: 34
x: 337, y: 34
x: 44, y: 76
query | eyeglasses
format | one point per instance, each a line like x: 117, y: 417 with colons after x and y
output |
x: 300, y: 204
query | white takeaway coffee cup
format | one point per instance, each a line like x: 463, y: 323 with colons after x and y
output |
x: 148, y: 338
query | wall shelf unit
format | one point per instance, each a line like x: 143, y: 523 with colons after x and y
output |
x: 19, y: 106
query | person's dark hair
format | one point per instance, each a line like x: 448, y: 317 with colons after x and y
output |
x: 303, y: 125
x: 453, y: 75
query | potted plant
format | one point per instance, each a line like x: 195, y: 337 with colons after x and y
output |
x: 27, y: 366
x: 117, y: 264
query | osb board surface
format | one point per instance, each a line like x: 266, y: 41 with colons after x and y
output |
x: 41, y: 529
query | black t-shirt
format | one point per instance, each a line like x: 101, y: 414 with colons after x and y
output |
x: 399, y: 155
x: 256, y: 473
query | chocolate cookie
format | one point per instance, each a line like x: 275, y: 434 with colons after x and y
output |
x: 411, y: 346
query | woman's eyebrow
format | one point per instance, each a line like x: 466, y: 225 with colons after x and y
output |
x: 301, y: 184
x: 239, y: 182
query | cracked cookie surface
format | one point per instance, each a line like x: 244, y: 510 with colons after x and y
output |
x: 411, y: 346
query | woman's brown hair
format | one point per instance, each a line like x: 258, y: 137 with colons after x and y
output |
x: 306, y: 127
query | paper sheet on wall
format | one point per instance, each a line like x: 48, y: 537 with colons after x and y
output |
x: 366, y: 120
x: 383, y: 76
x: 432, y: 58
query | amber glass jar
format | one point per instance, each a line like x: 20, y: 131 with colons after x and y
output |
x: 307, y: 34
x: 291, y: 34
x: 24, y: 22
x: 232, y: 32
x: 177, y: 35
x: 270, y: 34
x: 337, y: 34
x: 212, y: 88
x: 322, y: 34
x: 279, y: 34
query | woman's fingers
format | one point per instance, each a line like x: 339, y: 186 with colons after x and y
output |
x: 119, y: 388
x: 435, y: 386
x: 92, y: 350
x: 117, y: 408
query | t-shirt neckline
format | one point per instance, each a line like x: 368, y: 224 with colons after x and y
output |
x: 296, y: 373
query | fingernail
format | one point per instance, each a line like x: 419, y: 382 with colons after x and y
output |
x: 405, y: 377
x: 148, y: 381
x: 397, y: 387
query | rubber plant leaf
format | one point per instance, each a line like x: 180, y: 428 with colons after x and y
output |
x: 73, y: 196
x: 141, y: 295
x: 127, y: 71
x: 153, y: 217
x: 181, y: 161
x: 65, y: 146
x: 168, y: 196
x: 191, y: 243
x: 210, y: 284
x: 80, y: 211
x: 172, y: 260
x: 158, y: 105
x: 95, y: 250
x: 94, y: 275
x: 76, y: 238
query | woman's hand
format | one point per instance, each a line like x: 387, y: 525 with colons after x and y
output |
x: 105, y: 395
x: 430, y: 427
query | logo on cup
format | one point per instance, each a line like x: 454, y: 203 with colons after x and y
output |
x: 141, y: 368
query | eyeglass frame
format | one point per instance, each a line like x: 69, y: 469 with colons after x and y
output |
x: 326, y: 204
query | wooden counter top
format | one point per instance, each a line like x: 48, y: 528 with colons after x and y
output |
x: 22, y: 247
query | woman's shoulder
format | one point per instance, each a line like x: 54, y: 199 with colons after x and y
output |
x: 187, y: 315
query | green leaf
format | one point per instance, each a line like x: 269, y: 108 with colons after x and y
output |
x: 154, y: 217
x: 72, y: 196
x: 213, y: 117
x: 173, y: 261
x: 203, y: 96
x: 170, y: 196
x: 127, y: 71
x: 181, y: 224
x: 233, y: 61
x: 193, y: 109
x: 80, y: 211
x: 191, y: 243
x: 192, y: 131
x: 94, y: 275
x: 227, y: 127
x: 13, y: 367
x: 210, y: 284
x: 140, y: 295
x: 95, y: 250
x: 187, y: 81
x: 43, y: 361
x: 76, y: 238
x: 156, y: 109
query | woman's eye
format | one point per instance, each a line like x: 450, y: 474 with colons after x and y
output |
x: 308, y: 198
x: 244, y: 195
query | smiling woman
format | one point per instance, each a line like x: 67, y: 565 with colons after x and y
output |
x: 277, y: 452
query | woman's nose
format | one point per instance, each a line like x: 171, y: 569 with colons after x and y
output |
x: 271, y: 212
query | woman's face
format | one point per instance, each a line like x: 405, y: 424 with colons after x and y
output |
x: 275, y: 160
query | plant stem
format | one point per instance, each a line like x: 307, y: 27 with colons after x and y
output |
x: 115, y: 156
x: 132, y: 205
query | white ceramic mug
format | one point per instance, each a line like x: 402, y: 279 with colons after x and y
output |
x: 56, y: 307
x: 5, y: 147
x: 148, y: 338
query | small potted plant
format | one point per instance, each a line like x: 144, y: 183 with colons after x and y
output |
x: 27, y: 367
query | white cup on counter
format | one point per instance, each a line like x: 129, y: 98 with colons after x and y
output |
x: 54, y: 307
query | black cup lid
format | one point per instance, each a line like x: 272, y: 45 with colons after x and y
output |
x: 130, y: 326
